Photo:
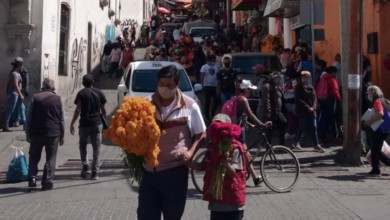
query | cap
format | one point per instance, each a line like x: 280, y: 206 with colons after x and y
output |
x: 305, y: 73
x: 246, y: 84
x: 88, y: 79
x: 258, y: 68
x: 222, y: 118
x: 17, y: 60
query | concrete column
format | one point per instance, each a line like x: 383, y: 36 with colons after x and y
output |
x: 271, y: 25
x: 287, y: 33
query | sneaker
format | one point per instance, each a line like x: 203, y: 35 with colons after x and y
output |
x: 258, y: 180
x: 296, y: 147
x: 319, y: 149
x: 85, y: 171
x: 288, y: 136
x: 375, y: 173
x: 94, y: 176
x: 32, y: 182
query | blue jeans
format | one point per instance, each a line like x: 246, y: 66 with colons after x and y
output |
x: 11, y: 106
x: 19, y: 114
x: 304, y: 121
x: 163, y: 192
x: 94, y: 133
x: 225, y: 96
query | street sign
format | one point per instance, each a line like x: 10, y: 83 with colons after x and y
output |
x: 305, y: 12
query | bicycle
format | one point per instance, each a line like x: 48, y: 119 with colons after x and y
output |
x: 276, y: 161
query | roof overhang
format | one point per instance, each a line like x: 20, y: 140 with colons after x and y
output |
x: 282, y: 8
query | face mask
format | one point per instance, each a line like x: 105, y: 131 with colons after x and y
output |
x: 306, y: 81
x: 227, y: 64
x: 369, y: 97
x: 166, y: 93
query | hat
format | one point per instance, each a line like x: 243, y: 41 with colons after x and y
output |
x: 88, y: 79
x: 18, y: 60
x: 305, y: 73
x: 258, y: 68
x: 222, y: 118
x: 246, y: 84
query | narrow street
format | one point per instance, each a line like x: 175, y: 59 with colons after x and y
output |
x: 325, y: 190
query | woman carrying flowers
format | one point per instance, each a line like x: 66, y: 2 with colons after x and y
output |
x: 225, y: 168
x: 163, y: 188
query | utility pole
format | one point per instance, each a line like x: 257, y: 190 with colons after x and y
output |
x: 351, y: 54
x: 228, y: 13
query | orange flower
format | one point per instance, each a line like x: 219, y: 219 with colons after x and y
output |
x: 134, y: 128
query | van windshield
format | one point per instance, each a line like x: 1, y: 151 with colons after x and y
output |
x: 146, y: 81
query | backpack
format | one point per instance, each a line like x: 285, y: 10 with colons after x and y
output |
x: 385, y: 126
x: 230, y: 108
x: 322, y: 89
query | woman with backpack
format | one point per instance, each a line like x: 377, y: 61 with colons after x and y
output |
x: 380, y: 107
x: 328, y: 94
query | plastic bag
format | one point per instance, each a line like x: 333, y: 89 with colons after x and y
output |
x: 17, y: 168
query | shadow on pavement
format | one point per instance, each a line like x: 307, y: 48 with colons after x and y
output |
x: 358, y: 177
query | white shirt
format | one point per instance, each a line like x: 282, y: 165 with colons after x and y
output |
x: 210, y: 74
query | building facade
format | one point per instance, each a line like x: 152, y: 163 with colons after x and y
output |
x: 62, y: 39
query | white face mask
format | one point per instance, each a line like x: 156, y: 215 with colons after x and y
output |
x: 166, y: 93
x: 369, y: 97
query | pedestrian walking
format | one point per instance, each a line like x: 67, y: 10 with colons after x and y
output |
x: 209, y: 80
x: 231, y: 205
x: 14, y: 93
x: 274, y: 106
x: 306, y: 109
x: 45, y: 127
x: 90, y: 106
x: 127, y: 57
x: 163, y: 189
x: 376, y: 138
x: 115, y: 57
x: 226, y: 78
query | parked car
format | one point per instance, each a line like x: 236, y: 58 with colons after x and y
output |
x: 242, y: 63
x: 201, y: 33
x: 140, y: 79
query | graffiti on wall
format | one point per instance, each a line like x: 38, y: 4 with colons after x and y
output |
x: 46, y: 61
x: 78, y: 59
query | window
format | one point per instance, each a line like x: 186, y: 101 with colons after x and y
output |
x: 146, y: 81
x: 64, y: 39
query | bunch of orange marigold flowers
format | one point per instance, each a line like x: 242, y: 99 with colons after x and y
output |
x: 134, y: 128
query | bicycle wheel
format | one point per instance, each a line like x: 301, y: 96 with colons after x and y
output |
x: 280, y: 169
x: 196, y: 175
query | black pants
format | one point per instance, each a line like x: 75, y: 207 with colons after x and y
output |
x: 163, y: 192
x: 281, y: 125
x: 376, y: 140
x: 36, y: 146
x: 232, y: 215
x: 210, y: 93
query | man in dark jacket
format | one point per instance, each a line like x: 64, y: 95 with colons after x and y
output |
x: 305, y: 108
x: 90, y: 103
x: 44, y: 128
x: 273, y: 105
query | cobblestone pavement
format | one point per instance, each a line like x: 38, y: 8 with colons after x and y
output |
x: 325, y: 190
